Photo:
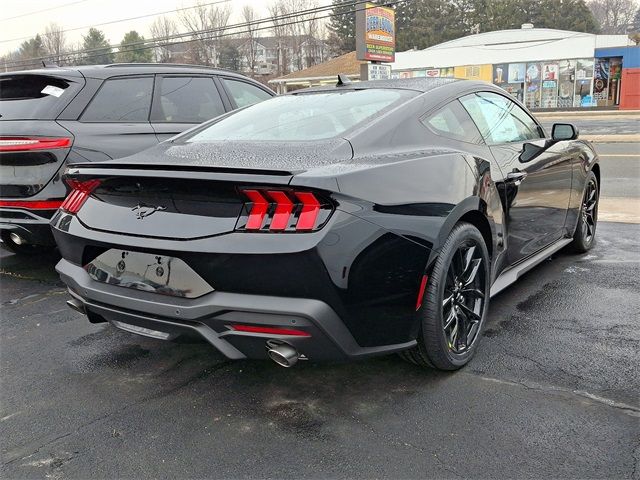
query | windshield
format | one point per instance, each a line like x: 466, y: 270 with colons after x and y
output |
x: 303, y: 117
x: 34, y: 97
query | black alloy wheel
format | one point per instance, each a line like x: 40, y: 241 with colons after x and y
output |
x: 455, y: 303
x: 585, y: 233
x: 464, y: 297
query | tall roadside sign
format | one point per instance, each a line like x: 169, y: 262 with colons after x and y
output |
x: 375, y: 40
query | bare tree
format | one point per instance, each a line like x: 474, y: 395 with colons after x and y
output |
x: 613, y: 16
x: 249, y: 17
x: 276, y: 10
x: 207, y: 24
x: 162, y: 29
x: 54, y: 42
x: 302, y: 30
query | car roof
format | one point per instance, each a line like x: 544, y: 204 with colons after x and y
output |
x: 114, y: 69
x: 423, y: 84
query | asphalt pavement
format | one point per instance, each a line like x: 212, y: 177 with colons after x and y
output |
x: 552, y: 392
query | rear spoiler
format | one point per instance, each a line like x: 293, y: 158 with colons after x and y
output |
x: 88, y: 170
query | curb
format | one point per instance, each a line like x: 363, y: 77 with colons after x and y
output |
x: 628, y: 138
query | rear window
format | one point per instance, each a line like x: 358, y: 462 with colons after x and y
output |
x: 34, y: 97
x: 303, y: 117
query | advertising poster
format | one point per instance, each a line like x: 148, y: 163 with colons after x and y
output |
x: 566, y: 76
x: 584, y: 68
x: 500, y: 73
x: 532, y: 85
x: 550, y: 71
x: 517, y: 72
x: 601, y: 79
x: 433, y: 72
x: 447, y: 72
x: 375, y: 33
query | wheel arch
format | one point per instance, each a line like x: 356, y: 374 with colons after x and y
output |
x: 474, y: 211
x: 596, y: 171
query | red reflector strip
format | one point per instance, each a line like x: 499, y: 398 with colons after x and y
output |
x: 284, y: 207
x: 23, y: 144
x: 423, y: 286
x: 310, y: 210
x: 258, y: 209
x: 32, y: 205
x: 270, y: 330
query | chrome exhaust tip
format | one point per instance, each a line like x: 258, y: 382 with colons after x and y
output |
x: 77, y: 305
x: 17, y: 239
x: 283, y: 354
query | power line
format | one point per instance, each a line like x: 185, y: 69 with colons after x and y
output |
x: 125, y: 19
x: 141, y: 46
x: 43, y: 10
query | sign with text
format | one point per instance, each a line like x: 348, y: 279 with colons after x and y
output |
x: 378, y: 72
x: 375, y: 33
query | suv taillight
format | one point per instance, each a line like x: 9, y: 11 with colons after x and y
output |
x: 26, y: 144
x: 79, y: 194
x: 275, y: 210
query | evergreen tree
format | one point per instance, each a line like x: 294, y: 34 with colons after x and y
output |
x: 32, y: 48
x: 342, y: 27
x: 97, y: 49
x: 229, y: 56
x: 131, y: 50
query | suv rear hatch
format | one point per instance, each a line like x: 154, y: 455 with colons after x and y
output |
x: 33, y: 146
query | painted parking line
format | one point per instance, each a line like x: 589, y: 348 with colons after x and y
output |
x: 620, y: 155
x: 617, y: 209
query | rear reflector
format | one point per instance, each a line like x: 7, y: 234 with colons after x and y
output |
x: 283, y: 211
x: 79, y: 194
x: 32, y: 205
x: 25, y: 144
x: 270, y: 330
x: 423, y: 286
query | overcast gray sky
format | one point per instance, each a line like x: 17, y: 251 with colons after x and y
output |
x: 35, y: 15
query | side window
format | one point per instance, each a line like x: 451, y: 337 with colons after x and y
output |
x: 187, y: 100
x: 499, y: 119
x: 121, y: 100
x: 244, y: 93
x: 453, y: 121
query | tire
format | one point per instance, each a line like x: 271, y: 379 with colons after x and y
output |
x: 25, y: 249
x: 466, y: 306
x: 585, y: 233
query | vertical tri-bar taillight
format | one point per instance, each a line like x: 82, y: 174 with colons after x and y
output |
x: 276, y: 210
x: 79, y: 194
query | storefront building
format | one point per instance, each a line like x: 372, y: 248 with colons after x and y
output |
x: 543, y: 68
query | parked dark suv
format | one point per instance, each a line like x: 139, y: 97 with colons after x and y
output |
x: 53, y: 116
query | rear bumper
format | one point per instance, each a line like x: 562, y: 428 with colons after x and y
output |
x: 211, y: 316
x: 33, y: 226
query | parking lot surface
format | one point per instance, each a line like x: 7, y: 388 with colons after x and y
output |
x: 553, y: 391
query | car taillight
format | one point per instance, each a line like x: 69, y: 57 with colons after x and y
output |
x: 79, y: 194
x: 274, y: 210
x: 25, y: 144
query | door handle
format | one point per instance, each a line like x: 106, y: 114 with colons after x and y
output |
x: 516, y: 177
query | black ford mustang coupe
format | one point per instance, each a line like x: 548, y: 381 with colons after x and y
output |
x: 333, y: 223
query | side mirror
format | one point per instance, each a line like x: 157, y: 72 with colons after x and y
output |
x: 563, y: 131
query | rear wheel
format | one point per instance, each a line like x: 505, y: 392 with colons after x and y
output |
x: 455, y: 303
x: 585, y: 233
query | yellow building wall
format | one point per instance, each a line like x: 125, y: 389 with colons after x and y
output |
x: 474, y: 72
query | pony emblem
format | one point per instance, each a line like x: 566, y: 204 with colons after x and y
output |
x: 142, y: 210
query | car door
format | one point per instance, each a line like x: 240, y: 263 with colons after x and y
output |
x: 115, y: 123
x: 536, y: 186
x: 184, y: 101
